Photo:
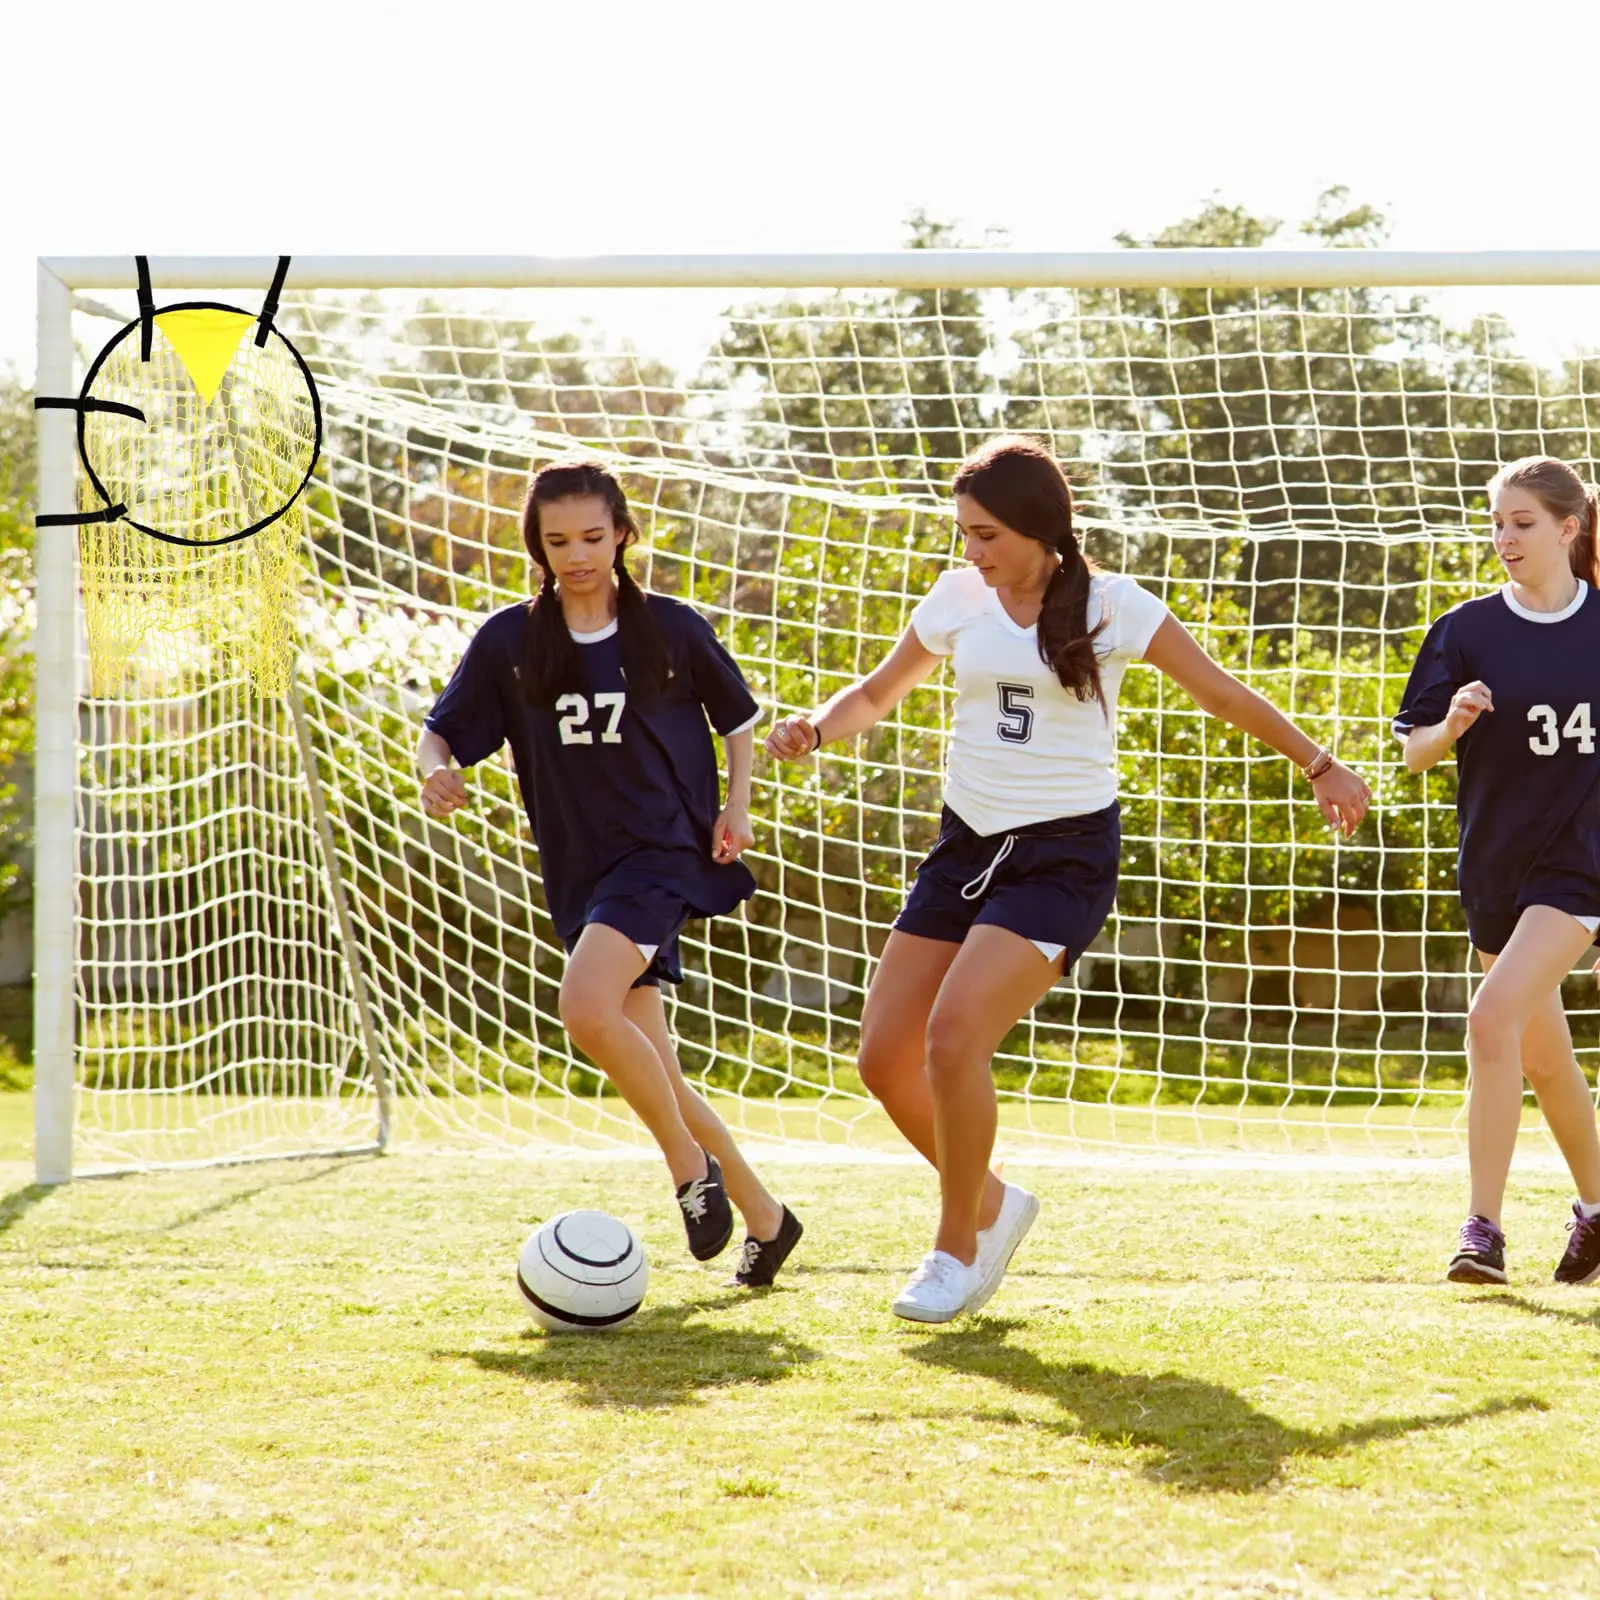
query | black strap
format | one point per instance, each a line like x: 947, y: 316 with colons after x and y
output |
x: 58, y: 403
x: 147, y: 307
x: 269, y: 306
x: 76, y: 519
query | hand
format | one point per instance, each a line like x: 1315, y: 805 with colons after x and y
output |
x: 444, y: 790
x: 1471, y: 700
x: 792, y: 738
x: 1343, y: 796
x: 731, y: 835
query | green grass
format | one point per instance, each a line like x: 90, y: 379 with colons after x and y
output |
x: 313, y: 1379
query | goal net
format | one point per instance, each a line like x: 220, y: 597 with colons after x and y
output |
x: 269, y: 937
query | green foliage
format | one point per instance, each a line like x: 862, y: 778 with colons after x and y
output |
x: 17, y: 487
x: 843, y: 397
x: 1292, y: 470
x: 385, y: 489
x: 16, y: 1074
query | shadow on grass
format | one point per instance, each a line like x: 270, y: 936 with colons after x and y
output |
x: 280, y: 1179
x: 1578, y: 1319
x: 16, y: 1205
x: 662, y: 1358
x: 1206, y: 1436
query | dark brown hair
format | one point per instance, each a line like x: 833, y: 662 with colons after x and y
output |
x: 1563, y: 494
x: 1018, y: 482
x: 554, y: 664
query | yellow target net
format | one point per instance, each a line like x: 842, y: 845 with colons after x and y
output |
x: 199, y: 427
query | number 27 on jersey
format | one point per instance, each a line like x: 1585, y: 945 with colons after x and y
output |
x: 573, y: 710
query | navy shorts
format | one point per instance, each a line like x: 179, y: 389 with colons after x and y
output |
x: 1051, y: 882
x: 648, y: 916
x: 1490, y: 926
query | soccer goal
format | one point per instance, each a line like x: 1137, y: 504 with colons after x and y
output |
x: 251, y: 942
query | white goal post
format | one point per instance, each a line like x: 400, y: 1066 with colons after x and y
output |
x: 250, y: 944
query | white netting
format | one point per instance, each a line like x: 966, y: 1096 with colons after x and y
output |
x: 1298, y: 473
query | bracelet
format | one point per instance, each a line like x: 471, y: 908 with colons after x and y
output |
x: 1317, y: 765
x: 816, y: 729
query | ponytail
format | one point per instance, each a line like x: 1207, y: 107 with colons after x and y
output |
x: 1019, y: 482
x: 1066, y: 642
x: 554, y: 664
x: 1585, y: 549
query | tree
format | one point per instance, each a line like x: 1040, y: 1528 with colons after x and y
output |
x: 1316, y: 424
x: 521, y: 394
x: 875, y: 391
x: 18, y: 477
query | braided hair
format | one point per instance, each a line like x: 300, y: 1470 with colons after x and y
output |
x: 554, y: 665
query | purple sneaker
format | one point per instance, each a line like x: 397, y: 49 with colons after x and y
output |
x: 1480, y: 1254
x: 1581, y: 1263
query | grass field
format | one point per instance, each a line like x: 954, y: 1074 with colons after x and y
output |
x: 313, y: 1379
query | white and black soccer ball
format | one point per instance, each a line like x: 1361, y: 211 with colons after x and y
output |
x: 582, y: 1272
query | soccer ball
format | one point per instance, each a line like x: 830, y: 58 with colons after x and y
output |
x: 582, y: 1272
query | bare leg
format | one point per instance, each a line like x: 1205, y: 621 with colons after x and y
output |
x: 762, y: 1214
x: 894, y: 1056
x: 594, y: 993
x: 1551, y: 1068
x: 1520, y: 984
x: 996, y: 979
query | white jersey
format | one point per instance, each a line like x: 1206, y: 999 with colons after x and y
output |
x: 1024, y: 749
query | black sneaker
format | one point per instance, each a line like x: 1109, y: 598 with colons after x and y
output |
x: 760, y: 1259
x: 1581, y: 1263
x: 1480, y: 1254
x: 707, y: 1216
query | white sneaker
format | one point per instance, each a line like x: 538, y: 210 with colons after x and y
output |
x: 939, y: 1289
x: 998, y: 1242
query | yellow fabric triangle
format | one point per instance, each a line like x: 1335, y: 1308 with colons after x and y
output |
x: 206, y: 342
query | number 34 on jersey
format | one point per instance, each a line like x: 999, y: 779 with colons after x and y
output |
x: 1550, y: 730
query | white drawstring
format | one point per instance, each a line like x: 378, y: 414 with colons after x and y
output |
x: 974, y: 889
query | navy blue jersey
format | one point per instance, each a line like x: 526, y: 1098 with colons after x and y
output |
x: 607, y: 777
x: 1528, y: 790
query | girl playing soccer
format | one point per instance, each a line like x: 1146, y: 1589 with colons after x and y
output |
x: 1025, y: 868
x: 603, y: 693
x: 1512, y: 680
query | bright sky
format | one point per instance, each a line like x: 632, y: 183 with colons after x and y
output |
x: 663, y: 126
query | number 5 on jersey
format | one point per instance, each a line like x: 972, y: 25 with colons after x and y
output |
x: 573, y: 709
x: 1016, y: 715
x: 1578, y: 726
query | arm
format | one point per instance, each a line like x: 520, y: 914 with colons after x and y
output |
x: 1341, y: 793
x: 732, y: 835
x: 860, y: 706
x: 443, y: 788
x: 1427, y: 747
